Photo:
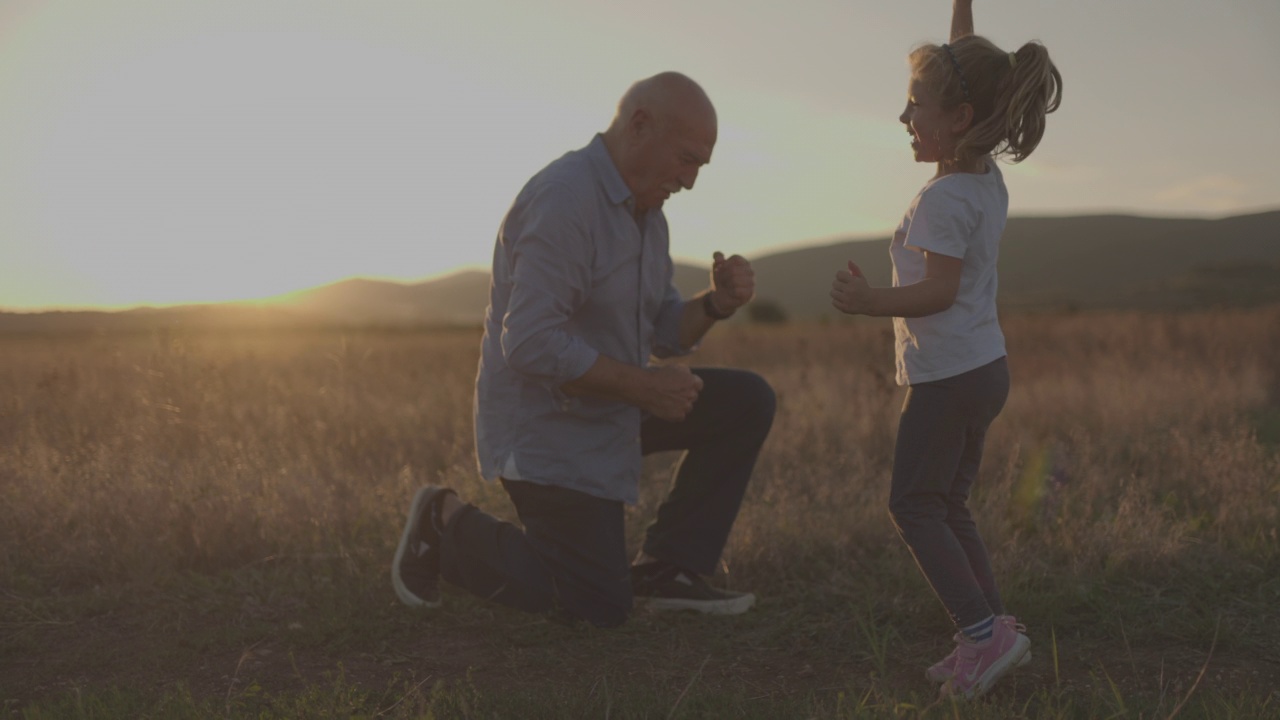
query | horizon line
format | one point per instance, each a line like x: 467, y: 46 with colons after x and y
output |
x: 282, y: 297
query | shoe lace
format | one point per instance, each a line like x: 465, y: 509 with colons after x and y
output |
x: 1012, y: 622
x: 693, y: 580
x: 950, y: 659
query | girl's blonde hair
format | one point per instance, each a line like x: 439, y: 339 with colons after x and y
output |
x: 1010, y: 92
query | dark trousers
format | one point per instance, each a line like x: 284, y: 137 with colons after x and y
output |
x: 570, y: 558
x: 940, y: 437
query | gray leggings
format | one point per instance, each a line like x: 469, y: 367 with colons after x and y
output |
x: 940, y: 437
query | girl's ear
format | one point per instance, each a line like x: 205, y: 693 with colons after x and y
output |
x: 961, y: 118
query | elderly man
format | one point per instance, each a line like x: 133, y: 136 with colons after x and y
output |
x: 566, y: 400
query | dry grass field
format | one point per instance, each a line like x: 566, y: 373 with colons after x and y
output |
x: 201, y: 526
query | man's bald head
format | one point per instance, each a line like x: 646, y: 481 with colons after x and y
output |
x: 663, y: 132
x: 667, y: 97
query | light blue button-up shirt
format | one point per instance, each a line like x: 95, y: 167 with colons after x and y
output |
x: 575, y: 275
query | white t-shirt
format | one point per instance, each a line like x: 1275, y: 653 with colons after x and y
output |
x: 961, y: 215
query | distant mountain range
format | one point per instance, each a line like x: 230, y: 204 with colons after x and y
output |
x: 1079, y: 262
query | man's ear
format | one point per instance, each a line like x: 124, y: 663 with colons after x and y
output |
x: 640, y: 125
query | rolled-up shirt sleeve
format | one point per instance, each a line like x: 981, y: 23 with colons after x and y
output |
x: 549, y: 258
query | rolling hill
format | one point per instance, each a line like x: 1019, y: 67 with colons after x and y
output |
x: 1096, y: 261
x: 1079, y: 262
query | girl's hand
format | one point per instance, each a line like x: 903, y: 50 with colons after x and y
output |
x: 961, y: 19
x: 850, y: 292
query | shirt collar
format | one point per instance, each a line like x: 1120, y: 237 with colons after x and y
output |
x: 612, y: 180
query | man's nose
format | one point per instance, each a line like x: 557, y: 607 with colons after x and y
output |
x: 688, y: 178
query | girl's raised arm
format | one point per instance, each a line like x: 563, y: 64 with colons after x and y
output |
x: 961, y: 19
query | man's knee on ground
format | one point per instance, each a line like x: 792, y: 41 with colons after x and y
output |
x: 603, y: 613
x: 610, y: 618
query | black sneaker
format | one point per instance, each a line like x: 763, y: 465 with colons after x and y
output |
x: 415, y: 571
x: 667, y: 587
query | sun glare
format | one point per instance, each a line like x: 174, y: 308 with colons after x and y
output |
x: 186, y: 165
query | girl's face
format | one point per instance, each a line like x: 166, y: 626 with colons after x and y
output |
x: 932, y: 129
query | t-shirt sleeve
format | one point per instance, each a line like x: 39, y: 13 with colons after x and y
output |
x: 943, y: 221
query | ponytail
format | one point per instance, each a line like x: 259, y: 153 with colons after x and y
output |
x: 1033, y: 90
x: 1010, y: 93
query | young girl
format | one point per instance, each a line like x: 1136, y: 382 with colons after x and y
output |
x: 968, y: 102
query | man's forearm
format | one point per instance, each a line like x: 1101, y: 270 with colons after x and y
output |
x: 666, y: 392
x: 694, y: 320
x: 608, y: 379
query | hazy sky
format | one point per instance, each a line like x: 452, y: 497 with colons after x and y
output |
x: 167, y: 151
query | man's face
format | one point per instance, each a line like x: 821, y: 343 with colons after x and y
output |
x: 668, y: 159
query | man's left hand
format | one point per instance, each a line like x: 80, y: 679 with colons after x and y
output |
x: 733, y: 282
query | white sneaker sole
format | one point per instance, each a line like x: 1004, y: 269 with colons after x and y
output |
x: 728, y: 606
x: 423, y: 496
x: 1021, y: 647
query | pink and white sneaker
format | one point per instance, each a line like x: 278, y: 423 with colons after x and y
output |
x: 942, y: 670
x: 979, y: 665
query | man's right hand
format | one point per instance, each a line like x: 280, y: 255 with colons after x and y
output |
x: 669, y: 392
